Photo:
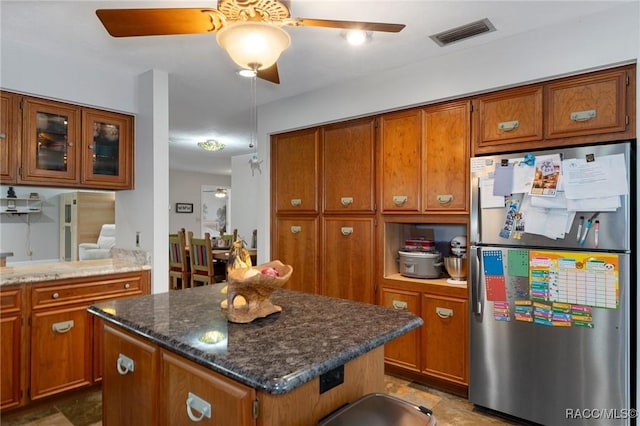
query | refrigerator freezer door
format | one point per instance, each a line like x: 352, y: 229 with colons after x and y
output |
x: 487, y: 223
x: 545, y: 373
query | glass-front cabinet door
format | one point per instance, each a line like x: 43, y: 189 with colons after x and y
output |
x: 107, y: 157
x: 51, y: 147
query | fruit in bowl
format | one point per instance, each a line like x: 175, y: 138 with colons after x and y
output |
x: 270, y: 271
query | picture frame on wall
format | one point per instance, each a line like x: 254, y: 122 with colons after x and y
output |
x: 184, y: 207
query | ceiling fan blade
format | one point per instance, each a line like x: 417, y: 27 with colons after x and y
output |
x: 350, y: 25
x: 270, y: 74
x: 151, y: 22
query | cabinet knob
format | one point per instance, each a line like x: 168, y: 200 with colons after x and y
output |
x: 583, y: 115
x: 444, y: 312
x: 399, y: 305
x: 346, y: 230
x: 444, y: 198
x: 127, y: 286
x: 55, y: 295
x: 346, y: 201
x: 62, y: 327
x: 69, y: 144
x: 124, y: 364
x: 400, y: 200
x: 507, y: 126
x: 194, y: 402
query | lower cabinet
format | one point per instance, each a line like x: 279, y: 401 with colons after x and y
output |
x: 60, y: 355
x: 11, y: 349
x: 191, y: 393
x: 437, y: 352
x: 445, y: 338
x: 130, y: 374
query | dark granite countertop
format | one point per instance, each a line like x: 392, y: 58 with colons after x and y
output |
x: 312, y: 335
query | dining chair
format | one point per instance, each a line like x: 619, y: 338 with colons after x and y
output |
x: 179, y: 271
x: 202, y: 262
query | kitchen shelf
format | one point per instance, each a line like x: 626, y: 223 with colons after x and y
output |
x: 22, y: 205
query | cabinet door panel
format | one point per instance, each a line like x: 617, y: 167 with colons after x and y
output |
x: 508, y: 117
x: 60, y: 350
x: 137, y: 387
x: 51, y: 148
x: 348, y: 258
x: 107, y: 157
x: 10, y: 365
x: 348, y: 167
x: 9, y: 139
x: 445, y: 337
x: 586, y: 105
x: 403, y: 351
x: 447, y: 132
x: 186, y: 387
x: 401, y: 136
x: 296, y: 244
x: 294, y: 170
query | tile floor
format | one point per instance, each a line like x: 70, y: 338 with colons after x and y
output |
x: 84, y: 408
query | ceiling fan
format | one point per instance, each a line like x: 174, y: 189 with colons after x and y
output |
x: 239, y: 24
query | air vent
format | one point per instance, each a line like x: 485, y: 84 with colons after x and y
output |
x: 463, y: 32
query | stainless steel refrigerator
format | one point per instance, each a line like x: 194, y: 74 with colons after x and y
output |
x: 551, y: 329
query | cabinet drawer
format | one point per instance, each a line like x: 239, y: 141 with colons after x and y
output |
x: 10, y: 300
x: 587, y: 105
x: 54, y: 295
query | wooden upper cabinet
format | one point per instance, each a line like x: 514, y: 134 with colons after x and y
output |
x: 446, y: 153
x: 106, y: 150
x: 295, y: 169
x: 51, y: 142
x: 401, y: 161
x: 508, y: 117
x: 9, y: 138
x: 348, y: 153
x: 586, y: 105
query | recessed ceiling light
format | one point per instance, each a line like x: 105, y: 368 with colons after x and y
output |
x: 247, y: 73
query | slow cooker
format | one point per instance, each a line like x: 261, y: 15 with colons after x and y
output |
x: 420, y: 264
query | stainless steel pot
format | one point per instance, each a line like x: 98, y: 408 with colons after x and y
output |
x: 418, y: 264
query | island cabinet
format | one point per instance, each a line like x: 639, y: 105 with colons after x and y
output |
x: 54, y: 143
x: 9, y: 136
x: 12, y: 349
x: 587, y: 108
x: 437, y: 354
x: 424, y: 158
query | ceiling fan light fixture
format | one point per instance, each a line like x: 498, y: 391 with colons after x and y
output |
x: 357, y: 37
x: 253, y: 45
x: 211, y: 145
x: 220, y: 193
x: 248, y: 73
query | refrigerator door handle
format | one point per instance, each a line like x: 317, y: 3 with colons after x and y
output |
x: 476, y: 302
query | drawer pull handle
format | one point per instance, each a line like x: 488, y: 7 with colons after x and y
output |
x: 399, y: 305
x: 444, y: 312
x: 296, y: 229
x: 194, y: 402
x: 125, y: 365
x: 3, y: 135
x: 399, y: 200
x: 55, y: 295
x: 62, y: 327
x: 295, y: 202
x: 444, y: 198
x: 507, y: 126
x: 346, y: 231
x: 346, y: 201
x: 127, y: 286
x: 583, y: 115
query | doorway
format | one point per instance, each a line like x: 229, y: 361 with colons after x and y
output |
x: 215, y: 214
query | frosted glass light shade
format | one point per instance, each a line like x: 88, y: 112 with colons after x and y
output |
x: 253, y: 45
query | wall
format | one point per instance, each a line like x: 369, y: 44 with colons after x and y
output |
x: 184, y: 187
x: 244, y: 199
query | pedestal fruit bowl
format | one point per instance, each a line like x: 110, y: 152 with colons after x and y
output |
x: 249, y: 290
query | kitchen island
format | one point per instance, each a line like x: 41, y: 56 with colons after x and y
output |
x: 172, y: 357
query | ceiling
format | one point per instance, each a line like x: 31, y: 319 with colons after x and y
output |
x: 208, y: 100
